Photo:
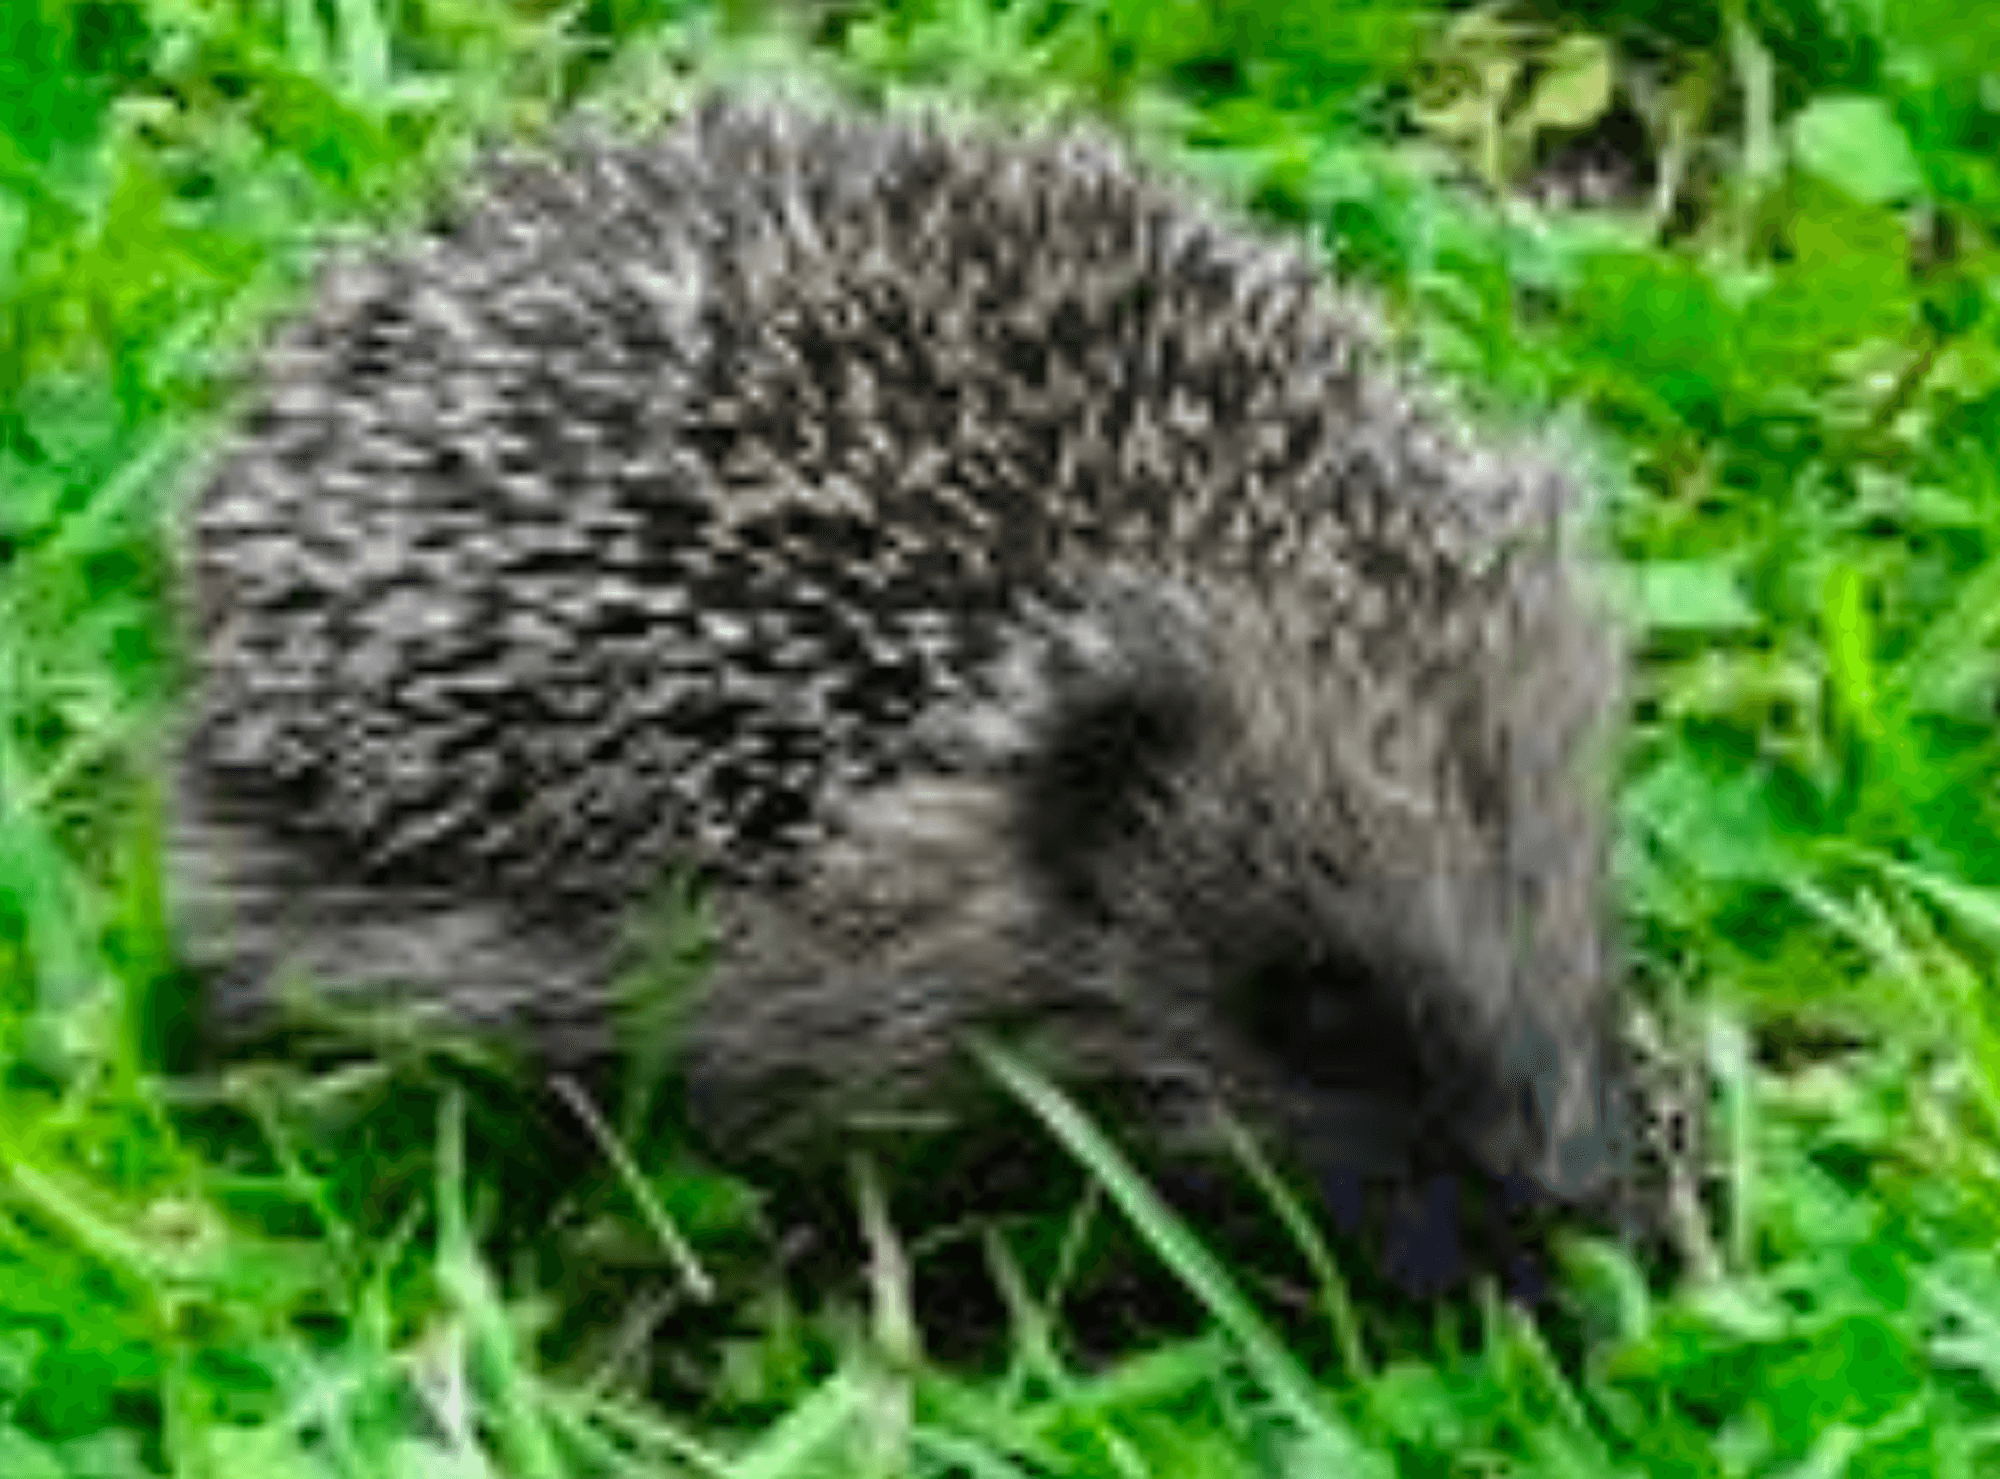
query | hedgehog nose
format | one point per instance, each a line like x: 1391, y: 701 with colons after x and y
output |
x: 1589, y: 1132
x: 1558, y: 1122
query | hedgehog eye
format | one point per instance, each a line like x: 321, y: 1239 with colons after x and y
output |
x: 1301, y: 1005
x: 1330, y: 1017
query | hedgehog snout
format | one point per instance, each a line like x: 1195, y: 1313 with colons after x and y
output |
x: 1418, y: 1038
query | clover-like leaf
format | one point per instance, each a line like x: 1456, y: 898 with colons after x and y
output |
x: 1692, y: 595
x: 1575, y: 91
x: 1855, y: 144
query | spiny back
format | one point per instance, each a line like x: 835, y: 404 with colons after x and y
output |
x: 663, y: 486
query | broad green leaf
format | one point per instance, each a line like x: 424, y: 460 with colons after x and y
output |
x: 1691, y: 595
x: 1576, y: 89
x: 23, y: 1457
x: 1856, y: 144
x: 1723, y: 827
x: 1848, y: 282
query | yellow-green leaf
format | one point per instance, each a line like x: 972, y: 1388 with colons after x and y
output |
x: 1575, y: 91
x: 1856, y: 145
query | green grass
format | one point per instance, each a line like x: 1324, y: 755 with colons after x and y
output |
x: 1783, y: 338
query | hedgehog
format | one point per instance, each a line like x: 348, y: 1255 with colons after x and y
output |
x: 1037, y: 603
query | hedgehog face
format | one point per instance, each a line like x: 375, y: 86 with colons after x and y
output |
x: 1320, y: 871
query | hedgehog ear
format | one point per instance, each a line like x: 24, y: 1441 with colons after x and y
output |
x: 1127, y: 689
